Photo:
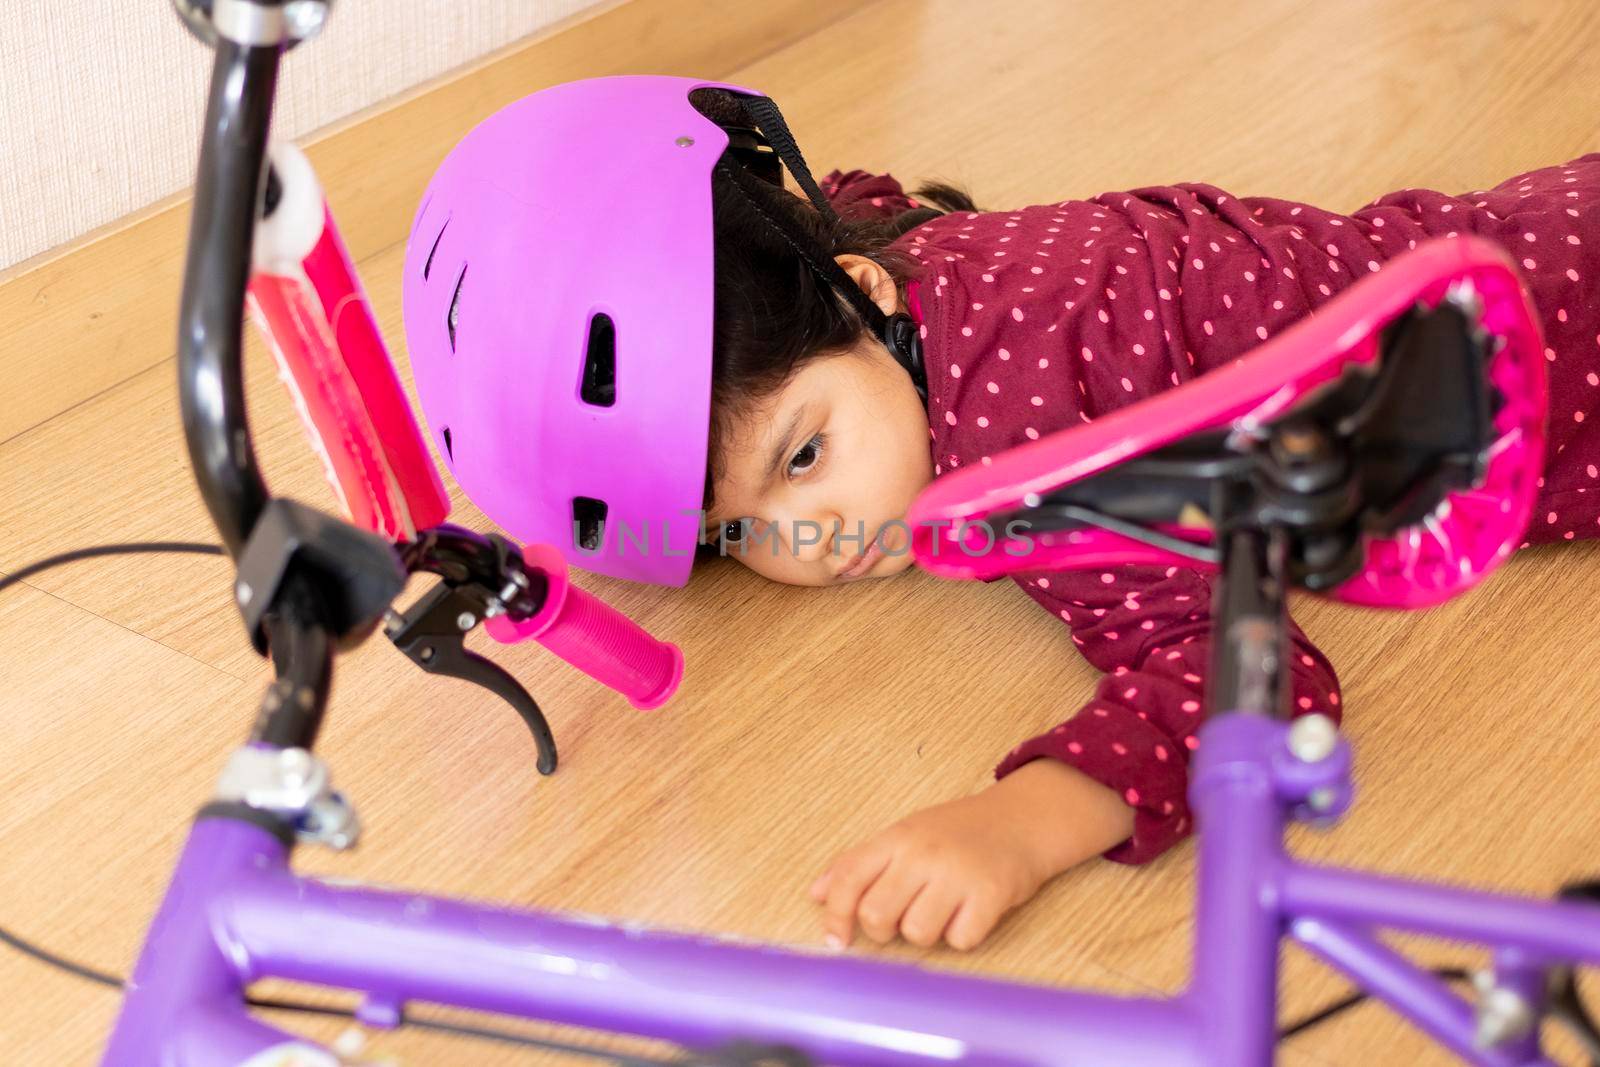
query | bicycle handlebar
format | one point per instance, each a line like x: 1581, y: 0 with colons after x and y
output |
x: 216, y: 272
x: 593, y: 636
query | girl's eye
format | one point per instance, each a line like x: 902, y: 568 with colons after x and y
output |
x: 733, y: 532
x: 808, y: 455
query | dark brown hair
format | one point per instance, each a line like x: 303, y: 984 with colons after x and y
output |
x: 773, y: 314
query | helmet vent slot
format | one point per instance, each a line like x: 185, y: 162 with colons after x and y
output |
x: 454, y: 315
x: 427, y: 266
x: 588, y: 522
x: 600, y: 363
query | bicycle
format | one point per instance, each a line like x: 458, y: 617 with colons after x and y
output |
x: 1383, y: 453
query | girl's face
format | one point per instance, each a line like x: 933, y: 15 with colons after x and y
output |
x: 817, y: 479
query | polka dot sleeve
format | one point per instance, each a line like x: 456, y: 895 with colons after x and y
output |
x: 1150, y: 630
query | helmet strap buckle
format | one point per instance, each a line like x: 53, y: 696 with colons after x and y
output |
x: 904, y: 342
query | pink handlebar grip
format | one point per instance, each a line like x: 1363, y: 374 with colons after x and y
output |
x: 594, y: 637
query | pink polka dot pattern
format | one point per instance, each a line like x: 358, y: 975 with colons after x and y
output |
x: 1110, y: 300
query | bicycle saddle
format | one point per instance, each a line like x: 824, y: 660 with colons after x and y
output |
x: 1396, y: 435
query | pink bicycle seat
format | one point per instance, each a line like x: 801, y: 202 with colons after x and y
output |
x: 1433, y: 546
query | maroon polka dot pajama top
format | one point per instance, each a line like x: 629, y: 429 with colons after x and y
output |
x: 1037, y: 319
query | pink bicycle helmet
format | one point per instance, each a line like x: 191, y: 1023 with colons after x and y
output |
x: 558, y: 309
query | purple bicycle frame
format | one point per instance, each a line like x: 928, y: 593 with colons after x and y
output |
x: 235, y: 913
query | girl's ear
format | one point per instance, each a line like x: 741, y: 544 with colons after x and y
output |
x: 876, y: 282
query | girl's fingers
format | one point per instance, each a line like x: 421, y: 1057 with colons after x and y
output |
x: 929, y: 914
x: 819, y: 888
x: 973, y: 921
x: 848, y: 879
x: 886, y: 900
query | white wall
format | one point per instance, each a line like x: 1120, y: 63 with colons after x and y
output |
x: 101, y: 100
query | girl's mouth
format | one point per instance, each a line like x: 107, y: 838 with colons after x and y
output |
x: 863, y: 563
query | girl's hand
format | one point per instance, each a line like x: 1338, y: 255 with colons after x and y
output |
x: 954, y: 870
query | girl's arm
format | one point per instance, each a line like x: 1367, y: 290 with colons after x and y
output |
x: 953, y: 870
x: 1150, y: 630
x: 1111, y: 780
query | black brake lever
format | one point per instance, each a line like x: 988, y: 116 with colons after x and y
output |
x: 432, y: 635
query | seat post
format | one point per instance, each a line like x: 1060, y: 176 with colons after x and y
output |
x: 1233, y: 793
x: 1250, y: 636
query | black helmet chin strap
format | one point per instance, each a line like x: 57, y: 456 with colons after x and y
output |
x: 897, y: 332
x: 766, y: 117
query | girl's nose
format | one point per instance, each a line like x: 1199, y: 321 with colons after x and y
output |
x: 809, y: 536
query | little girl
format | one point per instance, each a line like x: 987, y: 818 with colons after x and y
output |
x: 827, y: 419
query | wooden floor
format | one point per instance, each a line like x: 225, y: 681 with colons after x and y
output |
x: 807, y: 719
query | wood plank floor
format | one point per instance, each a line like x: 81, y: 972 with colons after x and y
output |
x: 807, y: 719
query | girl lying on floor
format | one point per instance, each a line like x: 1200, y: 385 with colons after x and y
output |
x: 785, y: 372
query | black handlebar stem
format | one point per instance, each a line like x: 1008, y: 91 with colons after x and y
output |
x: 216, y: 273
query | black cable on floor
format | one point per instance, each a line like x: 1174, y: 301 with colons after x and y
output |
x: 108, y: 550
x: 1338, y: 1007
